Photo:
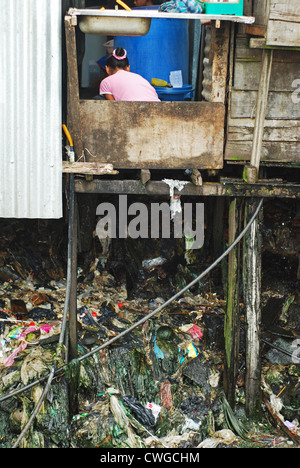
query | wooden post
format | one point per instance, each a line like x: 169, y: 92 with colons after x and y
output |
x: 261, y: 109
x: 73, y: 106
x: 72, y: 330
x: 221, y: 37
x: 73, y: 350
x: 232, y: 317
x: 252, y: 290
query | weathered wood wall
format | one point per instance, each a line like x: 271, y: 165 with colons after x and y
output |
x: 164, y: 135
x: 281, y: 20
x: 281, y: 142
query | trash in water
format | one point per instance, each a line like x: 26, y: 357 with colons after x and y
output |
x: 161, y: 385
x: 141, y: 413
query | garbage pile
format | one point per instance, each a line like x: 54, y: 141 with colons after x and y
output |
x: 158, y: 386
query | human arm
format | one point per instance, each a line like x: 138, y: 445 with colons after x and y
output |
x: 109, y: 97
x: 106, y: 91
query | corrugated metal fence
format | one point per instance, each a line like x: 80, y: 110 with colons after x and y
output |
x: 31, y: 108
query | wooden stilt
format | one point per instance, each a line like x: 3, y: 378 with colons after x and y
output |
x: 252, y: 291
x: 232, y: 318
x: 73, y: 352
x: 75, y: 130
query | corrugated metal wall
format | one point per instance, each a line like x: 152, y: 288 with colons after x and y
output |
x: 31, y: 108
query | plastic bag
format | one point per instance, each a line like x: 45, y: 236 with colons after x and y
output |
x: 142, y: 414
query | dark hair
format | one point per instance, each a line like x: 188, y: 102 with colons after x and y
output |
x: 113, y: 62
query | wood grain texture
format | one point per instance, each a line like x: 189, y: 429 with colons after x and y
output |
x: 154, y: 135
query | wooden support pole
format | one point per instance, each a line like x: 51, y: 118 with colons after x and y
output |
x: 73, y: 350
x: 252, y: 291
x: 232, y: 317
x: 261, y: 109
x: 73, y: 106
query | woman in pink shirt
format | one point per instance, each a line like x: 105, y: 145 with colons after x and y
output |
x: 123, y: 85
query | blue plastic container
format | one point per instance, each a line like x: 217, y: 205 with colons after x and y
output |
x: 185, y: 93
x: 164, y: 49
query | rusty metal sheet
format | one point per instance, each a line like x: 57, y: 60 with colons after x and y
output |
x: 170, y: 135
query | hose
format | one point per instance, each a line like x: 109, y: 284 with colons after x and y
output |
x: 128, y: 330
x: 68, y: 135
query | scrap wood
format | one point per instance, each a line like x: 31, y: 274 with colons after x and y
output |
x: 279, y: 421
x: 88, y: 168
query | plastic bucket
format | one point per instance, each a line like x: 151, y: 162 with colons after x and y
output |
x: 164, y: 49
x: 185, y: 93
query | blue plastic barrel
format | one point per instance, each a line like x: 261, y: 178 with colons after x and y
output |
x: 185, y: 93
x: 164, y: 49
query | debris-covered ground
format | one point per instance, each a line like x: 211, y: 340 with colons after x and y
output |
x: 161, y: 385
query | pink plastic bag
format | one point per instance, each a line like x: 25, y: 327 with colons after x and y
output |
x: 196, y: 332
x: 11, y: 359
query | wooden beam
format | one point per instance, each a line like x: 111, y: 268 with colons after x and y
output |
x: 232, y: 317
x: 255, y: 30
x: 87, y: 168
x: 73, y: 109
x: 261, y: 108
x: 73, y: 352
x: 72, y: 328
x: 220, y: 63
x: 260, y: 43
x: 227, y: 187
x: 252, y: 292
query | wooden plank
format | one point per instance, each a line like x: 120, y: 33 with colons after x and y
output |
x: 149, y: 135
x: 274, y: 131
x: 285, y: 10
x: 226, y: 188
x: 232, y: 316
x: 261, y: 108
x: 247, y: 75
x: 220, y: 63
x: 261, y: 11
x: 283, y: 34
x: 282, y: 20
x: 280, y: 105
x: 87, y: 168
x: 256, y: 30
x: 287, y: 152
x: 244, y: 53
x: 252, y: 296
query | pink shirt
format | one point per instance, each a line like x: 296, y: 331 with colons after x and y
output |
x: 128, y: 86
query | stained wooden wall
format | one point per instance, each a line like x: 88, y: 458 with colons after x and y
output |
x: 281, y: 141
x: 281, y: 19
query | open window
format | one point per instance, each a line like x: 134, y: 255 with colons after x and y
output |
x: 165, y: 135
